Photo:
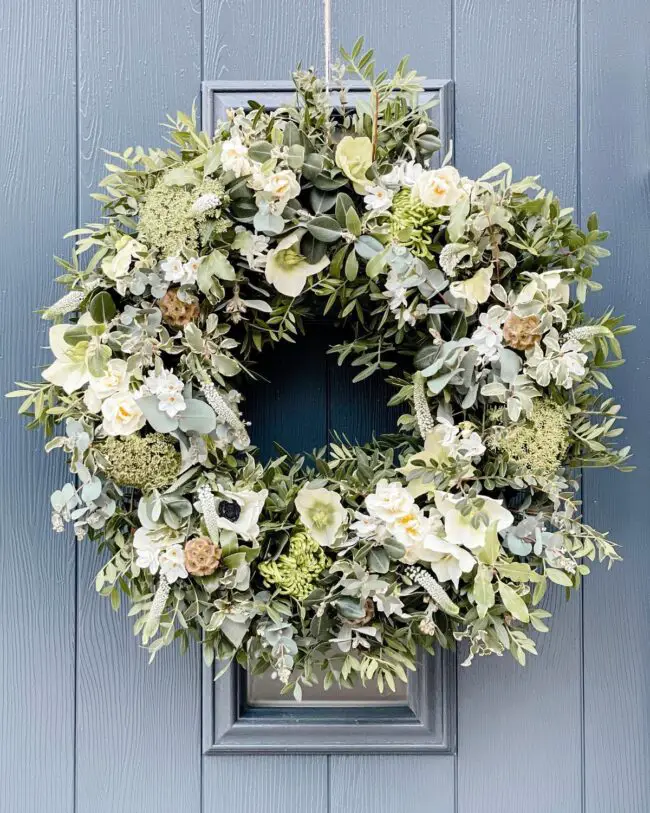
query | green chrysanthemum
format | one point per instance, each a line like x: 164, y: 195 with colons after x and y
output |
x: 412, y: 224
x: 144, y: 463
x: 295, y: 573
x: 536, y: 446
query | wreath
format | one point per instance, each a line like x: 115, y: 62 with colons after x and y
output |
x: 467, y: 294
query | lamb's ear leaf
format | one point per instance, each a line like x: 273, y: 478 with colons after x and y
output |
x: 197, y: 417
x: 159, y: 421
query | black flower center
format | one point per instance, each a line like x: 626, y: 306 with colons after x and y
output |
x: 229, y: 510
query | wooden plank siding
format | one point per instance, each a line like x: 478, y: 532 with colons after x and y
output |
x: 557, y: 87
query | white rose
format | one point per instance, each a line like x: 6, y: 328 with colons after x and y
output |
x: 122, y: 415
x: 389, y: 502
x: 439, y: 187
x: 282, y: 185
x: 234, y: 157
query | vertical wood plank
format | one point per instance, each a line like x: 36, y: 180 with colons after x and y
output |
x: 265, y: 784
x: 245, y: 40
x: 37, y: 572
x: 615, y: 155
x: 416, y: 783
x: 138, y: 726
x: 383, y: 784
x: 519, y: 731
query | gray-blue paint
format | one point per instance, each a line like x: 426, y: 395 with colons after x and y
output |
x: 553, y: 86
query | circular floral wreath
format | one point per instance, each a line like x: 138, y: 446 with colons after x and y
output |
x: 468, y: 294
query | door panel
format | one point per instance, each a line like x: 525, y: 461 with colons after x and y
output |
x: 615, y: 139
x: 37, y: 567
x: 519, y: 730
x: 138, y: 726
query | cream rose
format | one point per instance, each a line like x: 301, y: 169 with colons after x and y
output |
x: 439, y: 187
x: 282, y: 185
x: 122, y: 415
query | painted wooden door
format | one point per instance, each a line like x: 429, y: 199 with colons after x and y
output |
x: 557, y: 86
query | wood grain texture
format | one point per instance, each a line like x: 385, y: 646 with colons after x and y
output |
x: 37, y: 573
x: 261, y: 40
x: 382, y: 783
x: 138, y: 726
x: 615, y: 160
x: 245, y: 40
x: 392, y: 784
x: 516, y: 89
x: 519, y: 731
x: 421, y: 30
x: 265, y: 784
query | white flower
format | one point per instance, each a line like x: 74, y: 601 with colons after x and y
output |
x: 251, y: 246
x: 470, y: 445
x: 474, y: 291
x: 439, y: 187
x: 389, y: 502
x: 282, y: 185
x: 182, y: 273
x: 70, y: 370
x: 150, y: 543
x: 171, y: 403
x: 172, y: 563
x: 239, y: 511
x: 286, y: 269
x: 487, y: 339
x: 122, y: 415
x: 234, y: 157
x: 321, y: 513
x: 563, y: 363
x: 365, y: 526
x: 404, y: 173
x: 114, y: 380
x: 460, y: 528
x: 447, y: 560
x: 127, y: 251
x: 378, y: 199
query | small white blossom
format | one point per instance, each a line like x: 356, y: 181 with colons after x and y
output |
x: 172, y: 563
x: 175, y: 270
x: 378, y: 199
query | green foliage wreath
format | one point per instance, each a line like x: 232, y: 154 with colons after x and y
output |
x: 468, y: 294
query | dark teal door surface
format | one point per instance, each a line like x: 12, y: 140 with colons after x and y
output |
x: 559, y: 87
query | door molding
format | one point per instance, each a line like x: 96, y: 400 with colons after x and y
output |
x: 220, y: 95
x: 425, y: 724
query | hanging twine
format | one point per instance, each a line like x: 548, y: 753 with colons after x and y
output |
x: 423, y: 416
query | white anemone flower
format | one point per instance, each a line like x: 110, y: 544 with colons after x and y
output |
x: 286, y: 268
x: 239, y: 511
x: 321, y: 512
x: 459, y: 528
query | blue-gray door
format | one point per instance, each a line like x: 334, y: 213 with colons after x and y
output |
x: 553, y: 86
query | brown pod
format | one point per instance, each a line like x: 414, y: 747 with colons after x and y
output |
x: 175, y: 312
x: 521, y: 332
x: 202, y: 556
